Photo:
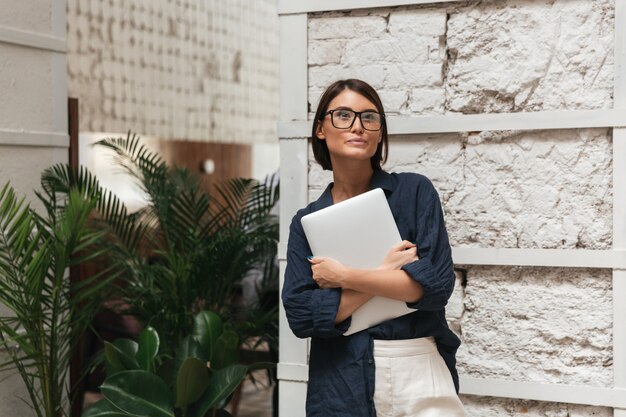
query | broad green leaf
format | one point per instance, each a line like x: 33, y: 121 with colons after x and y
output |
x: 207, y: 327
x: 221, y: 384
x: 189, y: 348
x: 103, y: 408
x: 166, y: 372
x: 139, y: 393
x: 112, y: 359
x: 148, y: 349
x: 129, y: 349
x: 191, y: 382
x: 226, y: 351
x: 121, y: 354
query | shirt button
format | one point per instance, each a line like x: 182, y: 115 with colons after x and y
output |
x: 370, y: 361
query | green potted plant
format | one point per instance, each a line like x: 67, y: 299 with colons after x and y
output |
x: 186, y: 251
x: 196, y: 382
x: 48, y: 313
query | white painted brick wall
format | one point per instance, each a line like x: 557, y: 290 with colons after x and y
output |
x: 338, y: 26
x: 529, y: 189
x: 523, y: 55
x: 498, y: 407
x: 538, y: 324
x: 383, y: 49
x: 203, y: 70
x: 531, y: 55
x: 533, y: 189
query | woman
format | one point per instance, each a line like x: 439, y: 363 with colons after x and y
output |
x: 401, y: 367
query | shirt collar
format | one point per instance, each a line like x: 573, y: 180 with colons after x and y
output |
x: 380, y: 179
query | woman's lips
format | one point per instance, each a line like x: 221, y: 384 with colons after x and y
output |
x: 357, y: 141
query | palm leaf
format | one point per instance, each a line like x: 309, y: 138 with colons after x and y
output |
x: 60, y: 178
x: 134, y: 157
x: 46, y: 319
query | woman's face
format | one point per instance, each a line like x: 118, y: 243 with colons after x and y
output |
x: 354, y: 142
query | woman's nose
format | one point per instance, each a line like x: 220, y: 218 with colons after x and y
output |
x: 357, y: 126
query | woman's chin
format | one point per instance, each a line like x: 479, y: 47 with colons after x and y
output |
x: 355, y: 156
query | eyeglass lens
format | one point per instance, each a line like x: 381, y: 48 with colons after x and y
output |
x: 343, y: 119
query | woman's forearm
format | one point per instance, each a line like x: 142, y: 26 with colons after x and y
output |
x: 350, y: 301
x: 394, y: 284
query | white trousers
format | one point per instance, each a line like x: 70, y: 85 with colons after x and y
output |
x: 412, y: 380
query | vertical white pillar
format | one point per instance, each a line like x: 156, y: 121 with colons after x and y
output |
x: 619, y: 204
x: 292, y: 367
x: 58, y: 28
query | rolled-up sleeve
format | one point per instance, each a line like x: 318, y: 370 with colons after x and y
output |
x: 310, y: 310
x: 434, y: 270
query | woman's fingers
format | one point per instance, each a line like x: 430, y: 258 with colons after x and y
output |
x: 408, y: 244
x: 404, y: 245
x: 315, y: 259
x: 326, y: 272
x: 401, y: 246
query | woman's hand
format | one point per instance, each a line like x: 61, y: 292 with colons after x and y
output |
x: 401, y: 254
x: 327, y: 272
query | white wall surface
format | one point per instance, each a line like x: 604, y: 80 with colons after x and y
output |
x: 33, y: 82
x: 33, y: 117
x: 22, y: 166
x: 193, y: 70
x: 26, y: 73
x: 34, y: 16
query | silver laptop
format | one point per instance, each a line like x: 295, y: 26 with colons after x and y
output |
x: 358, y: 232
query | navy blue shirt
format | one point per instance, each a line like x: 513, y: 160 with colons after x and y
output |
x: 341, y: 368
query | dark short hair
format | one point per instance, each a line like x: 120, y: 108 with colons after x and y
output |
x: 320, y: 148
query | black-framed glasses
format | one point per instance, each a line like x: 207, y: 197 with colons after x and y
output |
x: 344, y: 119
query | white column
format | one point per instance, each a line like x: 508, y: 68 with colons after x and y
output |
x: 619, y: 205
x: 292, y: 367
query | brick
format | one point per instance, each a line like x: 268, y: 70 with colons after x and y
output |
x: 321, y: 77
x: 346, y: 27
x: 392, y: 50
x: 427, y: 101
x: 417, y: 22
x: 412, y: 75
x: 325, y: 52
x: 393, y: 101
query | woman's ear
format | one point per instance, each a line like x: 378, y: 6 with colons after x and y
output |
x: 319, y: 132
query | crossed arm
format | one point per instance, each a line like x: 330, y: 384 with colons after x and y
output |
x: 359, y: 285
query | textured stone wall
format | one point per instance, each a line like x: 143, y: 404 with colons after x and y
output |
x: 512, y: 189
x: 471, y: 57
x: 531, y: 189
x: 197, y: 70
x: 497, y: 407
